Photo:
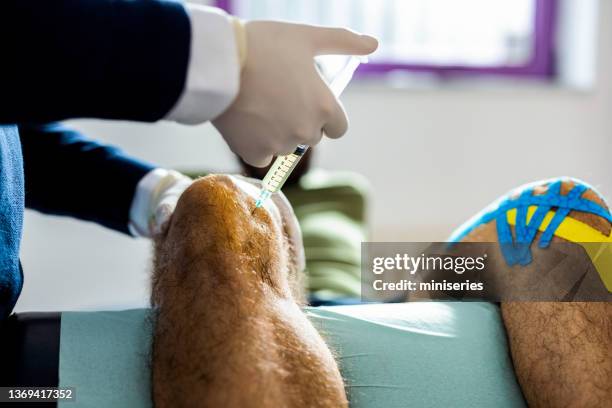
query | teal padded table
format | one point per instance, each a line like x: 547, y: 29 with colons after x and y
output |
x: 428, y: 354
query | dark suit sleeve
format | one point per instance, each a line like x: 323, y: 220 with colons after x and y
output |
x: 67, y: 174
x: 112, y: 59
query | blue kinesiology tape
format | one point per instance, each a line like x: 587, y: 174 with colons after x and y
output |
x: 517, y: 249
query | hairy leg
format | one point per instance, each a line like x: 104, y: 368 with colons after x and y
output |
x: 230, y: 332
x: 562, y: 351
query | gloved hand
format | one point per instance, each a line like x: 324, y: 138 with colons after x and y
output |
x: 154, y: 201
x: 283, y: 101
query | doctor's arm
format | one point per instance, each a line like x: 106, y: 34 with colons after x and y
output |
x: 105, y: 59
x: 147, y: 60
x: 68, y: 174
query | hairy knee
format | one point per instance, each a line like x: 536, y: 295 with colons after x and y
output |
x: 229, y: 331
x: 560, y: 349
x: 581, y: 201
x: 215, y: 213
x: 216, y: 238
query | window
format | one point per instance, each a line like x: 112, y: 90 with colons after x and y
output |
x: 504, y: 37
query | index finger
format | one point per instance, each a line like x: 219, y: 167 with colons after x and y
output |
x: 340, y: 41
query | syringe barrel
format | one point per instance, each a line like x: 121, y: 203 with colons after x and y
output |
x: 283, y: 165
x: 281, y: 169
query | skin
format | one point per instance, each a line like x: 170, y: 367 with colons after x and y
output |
x: 562, y: 351
x: 230, y: 331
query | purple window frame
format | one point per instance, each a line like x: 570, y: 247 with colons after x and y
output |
x: 541, y: 65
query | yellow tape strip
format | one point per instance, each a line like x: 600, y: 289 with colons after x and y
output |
x: 570, y: 229
x: 597, y: 245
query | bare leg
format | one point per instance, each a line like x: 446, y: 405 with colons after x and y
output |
x: 562, y: 352
x: 229, y: 329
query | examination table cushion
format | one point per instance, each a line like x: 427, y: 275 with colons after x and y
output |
x: 391, y: 355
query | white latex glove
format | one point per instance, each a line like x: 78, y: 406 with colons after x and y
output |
x: 154, y: 201
x: 283, y: 101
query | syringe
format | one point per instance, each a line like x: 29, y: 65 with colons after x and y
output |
x: 283, y: 165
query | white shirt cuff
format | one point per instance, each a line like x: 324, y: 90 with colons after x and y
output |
x: 213, y: 74
x: 140, y: 210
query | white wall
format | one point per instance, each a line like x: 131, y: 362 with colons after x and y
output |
x: 434, y: 156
